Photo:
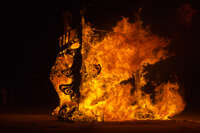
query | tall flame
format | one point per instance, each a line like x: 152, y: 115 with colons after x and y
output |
x: 113, y: 76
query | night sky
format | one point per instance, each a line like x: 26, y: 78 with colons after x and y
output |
x: 30, y: 33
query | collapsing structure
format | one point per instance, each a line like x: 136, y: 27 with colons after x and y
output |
x: 104, y: 78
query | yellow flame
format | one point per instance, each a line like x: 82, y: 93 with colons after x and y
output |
x: 121, y: 54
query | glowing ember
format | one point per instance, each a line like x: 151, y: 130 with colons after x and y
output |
x: 111, y: 76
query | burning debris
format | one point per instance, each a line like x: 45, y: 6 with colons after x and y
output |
x: 104, y: 78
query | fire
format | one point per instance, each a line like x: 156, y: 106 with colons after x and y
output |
x: 112, y: 73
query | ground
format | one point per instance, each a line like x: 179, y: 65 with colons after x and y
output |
x: 38, y: 120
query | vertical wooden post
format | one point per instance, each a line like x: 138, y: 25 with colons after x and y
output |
x: 63, y: 39
x: 60, y: 41
x: 137, y: 80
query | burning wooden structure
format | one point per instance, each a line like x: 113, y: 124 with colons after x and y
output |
x: 104, y: 78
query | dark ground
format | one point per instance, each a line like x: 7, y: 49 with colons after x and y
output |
x: 37, y: 120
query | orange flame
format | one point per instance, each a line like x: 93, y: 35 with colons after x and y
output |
x: 105, y: 93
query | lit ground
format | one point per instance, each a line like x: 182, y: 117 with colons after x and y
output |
x: 38, y: 121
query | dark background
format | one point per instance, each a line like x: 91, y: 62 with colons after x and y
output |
x: 30, y: 34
